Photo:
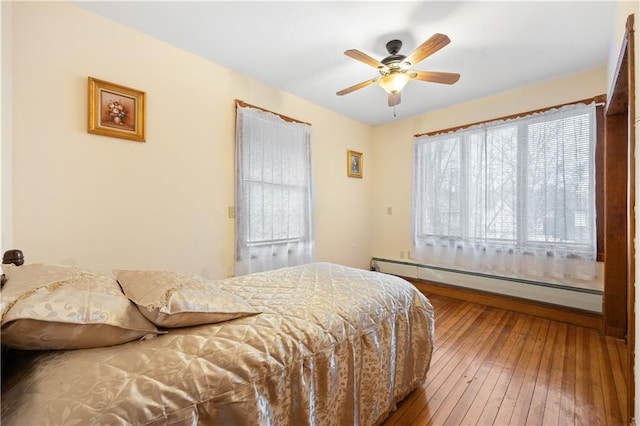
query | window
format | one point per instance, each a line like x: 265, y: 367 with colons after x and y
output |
x: 515, y: 196
x: 273, y: 191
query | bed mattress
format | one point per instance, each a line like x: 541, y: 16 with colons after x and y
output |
x: 333, y: 346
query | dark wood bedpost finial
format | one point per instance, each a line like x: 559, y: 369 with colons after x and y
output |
x: 11, y: 256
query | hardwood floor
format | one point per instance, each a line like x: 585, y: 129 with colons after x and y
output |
x: 496, y: 367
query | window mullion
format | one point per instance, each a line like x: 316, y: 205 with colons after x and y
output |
x: 522, y: 147
x: 464, y: 187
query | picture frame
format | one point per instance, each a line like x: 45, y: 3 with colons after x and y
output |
x: 354, y: 164
x: 115, y: 110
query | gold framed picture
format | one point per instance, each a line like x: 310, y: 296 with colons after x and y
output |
x: 116, y: 110
x: 354, y: 164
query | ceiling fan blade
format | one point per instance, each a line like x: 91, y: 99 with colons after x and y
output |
x: 428, y: 48
x: 357, y: 86
x: 435, y: 77
x: 364, y: 58
x: 394, y: 99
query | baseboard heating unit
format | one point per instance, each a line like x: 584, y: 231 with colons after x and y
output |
x: 579, y: 297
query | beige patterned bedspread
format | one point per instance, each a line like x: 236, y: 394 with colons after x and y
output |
x: 333, y: 346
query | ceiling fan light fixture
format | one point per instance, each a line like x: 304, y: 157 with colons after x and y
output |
x: 394, y: 82
x: 395, y: 70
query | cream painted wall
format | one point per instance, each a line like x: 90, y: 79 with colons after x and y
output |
x: 393, y: 148
x: 100, y: 202
x: 6, y: 231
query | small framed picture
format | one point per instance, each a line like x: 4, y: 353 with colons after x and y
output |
x: 354, y: 164
x: 116, y: 110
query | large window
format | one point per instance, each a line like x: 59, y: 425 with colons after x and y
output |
x: 514, y: 196
x: 273, y: 192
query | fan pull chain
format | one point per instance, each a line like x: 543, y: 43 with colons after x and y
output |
x: 394, y: 111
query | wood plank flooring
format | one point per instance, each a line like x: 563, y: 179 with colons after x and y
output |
x: 497, y: 367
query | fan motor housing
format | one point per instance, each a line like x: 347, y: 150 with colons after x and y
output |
x: 393, y: 59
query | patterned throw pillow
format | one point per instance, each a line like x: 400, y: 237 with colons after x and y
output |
x: 176, y: 299
x: 61, y: 307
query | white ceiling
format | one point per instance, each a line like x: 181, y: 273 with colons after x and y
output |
x: 298, y: 46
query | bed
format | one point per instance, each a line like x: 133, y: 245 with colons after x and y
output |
x: 317, y: 344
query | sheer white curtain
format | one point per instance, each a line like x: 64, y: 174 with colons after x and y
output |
x: 273, y: 192
x: 514, y: 196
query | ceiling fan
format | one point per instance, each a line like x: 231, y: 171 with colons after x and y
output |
x: 395, y: 70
